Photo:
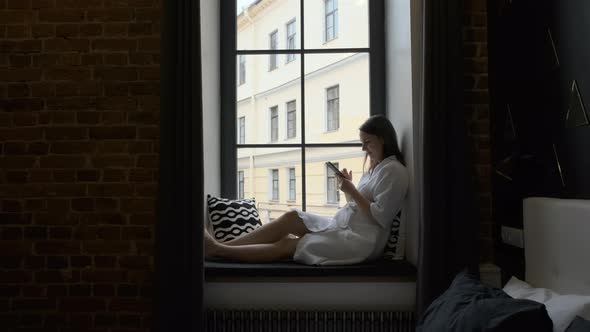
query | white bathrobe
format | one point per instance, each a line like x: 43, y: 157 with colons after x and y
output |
x: 351, y: 236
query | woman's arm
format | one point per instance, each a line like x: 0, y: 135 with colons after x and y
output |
x: 364, y: 204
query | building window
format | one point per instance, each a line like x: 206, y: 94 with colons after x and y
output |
x: 274, y: 196
x: 289, y: 111
x: 242, y: 130
x: 333, y: 196
x: 272, y: 63
x: 242, y: 70
x: 291, y: 32
x: 292, y: 184
x: 241, y: 184
x: 331, y: 19
x: 274, y: 123
x: 332, y: 108
x: 291, y: 119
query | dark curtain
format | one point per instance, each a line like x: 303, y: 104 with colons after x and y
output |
x: 178, y: 302
x: 449, y: 232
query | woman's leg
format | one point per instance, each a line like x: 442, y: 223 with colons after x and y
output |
x: 250, y: 253
x: 274, y: 231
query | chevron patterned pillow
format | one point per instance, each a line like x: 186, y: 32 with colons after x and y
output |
x: 395, y: 247
x: 230, y: 218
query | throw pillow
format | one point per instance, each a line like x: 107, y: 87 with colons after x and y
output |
x: 394, y: 249
x: 470, y: 305
x: 230, y: 218
x: 562, y: 309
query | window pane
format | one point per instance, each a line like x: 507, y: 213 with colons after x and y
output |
x: 336, y: 88
x: 291, y: 39
x: 323, y: 196
x: 291, y: 119
x: 257, y: 19
x: 258, y: 165
x: 336, y: 24
x: 262, y: 91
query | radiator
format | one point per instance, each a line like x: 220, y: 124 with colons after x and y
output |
x: 308, y: 321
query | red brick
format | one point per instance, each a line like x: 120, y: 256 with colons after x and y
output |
x: 130, y: 305
x: 18, y: 31
x: 67, y: 30
x: 118, y: 132
x: 42, y: 30
x: 77, y: 304
x: 114, y: 44
x: 57, y: 247
x: 78, y: 3
x: 103, y: 290
x: 36, y: 233
x: 63, y: 45
x: 12, y: 233
x: 67, y: 74
x: 115, y: 74
x: 105, y: 261
x: 13, y: 277
x: 66, y: 189
x: 34, y: 291
x: 17, y: 162
x: 109, y: 147
x: 101, y: 247
x: 148, y: 14
x: 90, y: 30
x: 149, y: 44
x: 20, y: 75
x: 60, y: 233
x: 18, y: 4
x: 33, y: 304
x: 87, y: 175
x: 104, y: 276
x: 35, y: 4
x: 136, y: 232
x: 66, y: 133
x: 21, y: 134
x: 115, y: 29
x: 110, y: 14
x: 16, y: 16
x: 61, y: 15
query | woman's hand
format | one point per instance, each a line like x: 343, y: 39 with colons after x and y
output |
x: 345, y: 182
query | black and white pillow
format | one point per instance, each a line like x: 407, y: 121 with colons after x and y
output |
x: 394, y: 249
x: 230, y: 218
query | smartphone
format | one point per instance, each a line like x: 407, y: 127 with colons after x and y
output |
x: 335, y: 169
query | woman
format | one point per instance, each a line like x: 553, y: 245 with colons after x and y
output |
x: 358, y: 231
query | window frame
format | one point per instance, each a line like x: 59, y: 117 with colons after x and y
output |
x: 228, y: 90
x: 242, y: 69
x: 331, y: 178
x: 328, y: 128
x: 287, y: 112
x: 292, y: 184
x: 334, y: 14
x: 241, y: 184
x: 242, y: 130
x: 273, y: 112
x: 273, y: 59
x: 290, y: 56
x: 272, y: 197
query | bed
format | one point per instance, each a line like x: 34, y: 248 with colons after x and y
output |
x: 555, y: 295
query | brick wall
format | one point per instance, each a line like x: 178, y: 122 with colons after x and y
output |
x: 478, y: 112
x: 79, y: 113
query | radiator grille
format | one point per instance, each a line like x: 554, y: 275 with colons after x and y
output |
x: 307, y: 321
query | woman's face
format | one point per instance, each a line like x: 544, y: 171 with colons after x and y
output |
x: 373, y: 146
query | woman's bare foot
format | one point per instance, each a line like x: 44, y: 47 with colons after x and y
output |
x: 210, y: 245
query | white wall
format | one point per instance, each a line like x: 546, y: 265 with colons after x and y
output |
x: 402, y: 73
x: 400, y: 98
x: 211, y: 104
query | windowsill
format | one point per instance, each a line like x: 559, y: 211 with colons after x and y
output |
x: 386, y: 270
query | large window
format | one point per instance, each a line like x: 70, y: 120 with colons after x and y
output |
x: 297, y: 120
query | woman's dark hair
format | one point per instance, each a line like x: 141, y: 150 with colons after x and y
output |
x: 380, y: 126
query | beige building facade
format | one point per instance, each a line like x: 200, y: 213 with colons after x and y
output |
x: 269, y: 101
